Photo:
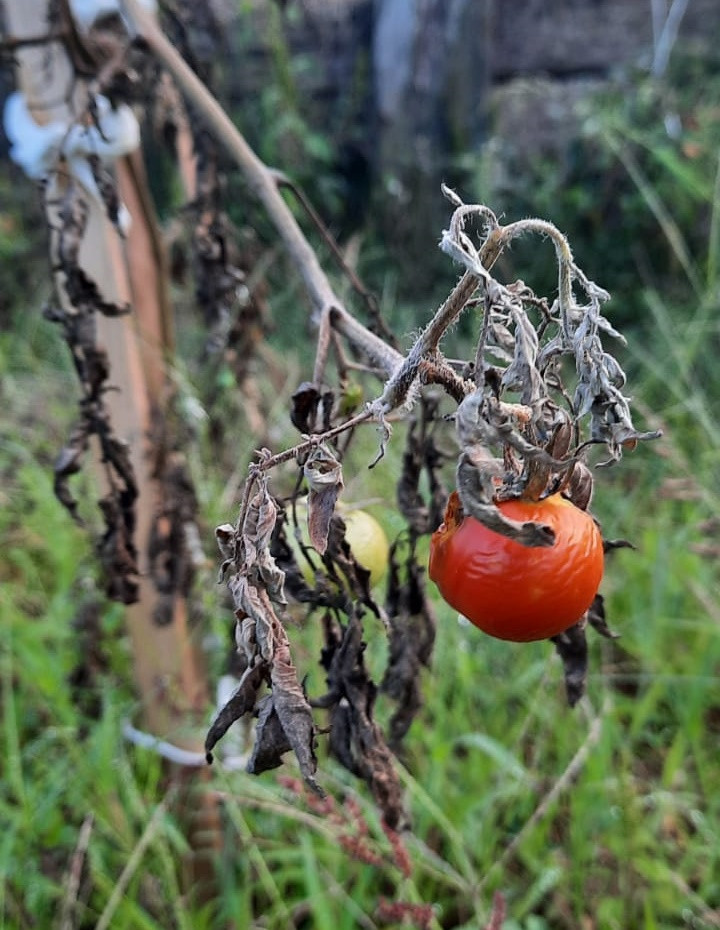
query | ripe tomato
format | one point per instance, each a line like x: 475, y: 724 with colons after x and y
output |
x: 512, y: 591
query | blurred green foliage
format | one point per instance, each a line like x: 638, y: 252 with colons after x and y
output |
x: 22, y: 243
x: 635, y: 188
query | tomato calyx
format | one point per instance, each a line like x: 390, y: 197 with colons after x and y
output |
x: 529, y: 470
x: 479, y: 498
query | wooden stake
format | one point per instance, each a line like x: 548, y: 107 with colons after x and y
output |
x: 167, y: 660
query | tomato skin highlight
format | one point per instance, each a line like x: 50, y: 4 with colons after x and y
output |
x: 515, y: 592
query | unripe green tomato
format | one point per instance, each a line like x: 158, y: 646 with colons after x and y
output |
x: 368, y: 542
x: 363, y: 533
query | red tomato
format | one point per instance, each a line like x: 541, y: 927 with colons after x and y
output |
x: 512, y: 591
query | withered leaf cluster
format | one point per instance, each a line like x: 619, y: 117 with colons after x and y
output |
x: 423, y: 456
x: 233, y: 307
x: 539, y: 371
x: 410, y: 613
x: 78, y: 301
x: 340, y: 596
x: 412, y: 638
x: 356, y: 739
x: 234, y: 319
x: 256, y: 585
x: 526, y: 395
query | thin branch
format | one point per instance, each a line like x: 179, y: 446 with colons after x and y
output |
x: 287, y: 454
x: 263, y: 183
x: 323, y: 347
x: 562, y: 251
x: 67, y: 915
x: 303, y: 200
x: 257, y: 174
x: 373, y: 347
x: 666, y: 40
x: 13, y: 43
x: 426, y: 346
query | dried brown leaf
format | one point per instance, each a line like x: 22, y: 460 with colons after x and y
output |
x: 271, y: 740
x: 241, y: 702
x: 572, y: 649
x: 323, y: 473
x: 355, y: 735
x: 412, y: 637
x: 597, y: 620
x: 475, y: 492
x: 311, y: 408
x: 294, y: 712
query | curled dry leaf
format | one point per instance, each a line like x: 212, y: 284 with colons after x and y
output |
x: 256, y: 585
x: 311, y: 408
x: 379, y: 411
x: 355, y: 737
x: 254, y: 544
x: 412, y: 637
x: 572, y: 649
x: 241, y: 702
x: 253, y: 605
x: 473, y: 489
x: 597, y: 620
x: 580, y: 485
x: 323, y: 473
x: 482, y: 424
x: 422, y: 456
x: 293, y: 710
x: 271, y: 740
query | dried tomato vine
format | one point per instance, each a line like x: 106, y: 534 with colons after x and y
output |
x: 520, y: 427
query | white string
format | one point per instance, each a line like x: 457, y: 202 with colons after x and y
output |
x: 233, y: 760
x: 177, y: 754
